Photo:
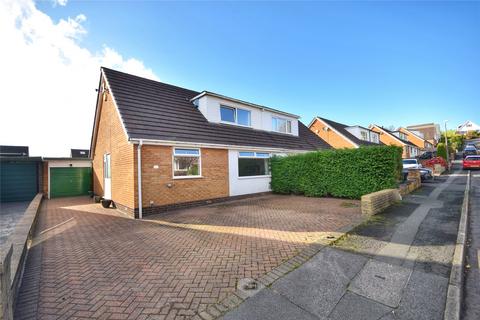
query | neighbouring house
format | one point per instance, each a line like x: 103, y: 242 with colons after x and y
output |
x: 79, y: 153
x: 339, y: 135
x: 417, y: 139
x: 20, y: 174
x: 157, y: 146
x: 428, y: 131
x: 468, y: 126
x: 397, y: 138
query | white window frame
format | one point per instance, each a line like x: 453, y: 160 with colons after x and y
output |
x: 199, y: 156
x: 364, y: 138
x: 286, y: 125
x: 253, y: 156
x: 235, y: 115
x: 375, y: 138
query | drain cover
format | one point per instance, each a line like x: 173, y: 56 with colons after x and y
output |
x: 249, y: 286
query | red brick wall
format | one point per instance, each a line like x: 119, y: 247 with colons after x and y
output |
x: 112, y: 139
x: 389, y: 140
x: 331, y: 137
x: 212, y: 184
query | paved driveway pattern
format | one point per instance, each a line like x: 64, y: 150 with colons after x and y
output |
x: 90, y: 262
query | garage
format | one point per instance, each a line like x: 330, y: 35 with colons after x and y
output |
x: 19, y: 180
x: 70, y: 182
x: 68, y: 177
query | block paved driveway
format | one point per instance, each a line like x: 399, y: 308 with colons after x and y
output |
x: 90, y: 262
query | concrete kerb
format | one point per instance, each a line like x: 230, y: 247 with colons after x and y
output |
x: 14, y: 256
x: 220, y: 308
x: 455, y: 286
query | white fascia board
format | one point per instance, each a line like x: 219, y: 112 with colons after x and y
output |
x: 208, y: 93
x: 214, y: 146
x: 116, y: 106
x: 333, y: 129
x: 392, y: 135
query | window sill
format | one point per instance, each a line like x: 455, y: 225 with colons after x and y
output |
x: 187, y: 177
x: 255, y: 177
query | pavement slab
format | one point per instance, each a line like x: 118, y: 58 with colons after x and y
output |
x: 382, y: 282
x: 321, y: 282
x: 268, y: 305
x: 355, y: 307
x: 424, y: 297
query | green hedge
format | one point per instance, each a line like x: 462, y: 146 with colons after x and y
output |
x: 346, y: 173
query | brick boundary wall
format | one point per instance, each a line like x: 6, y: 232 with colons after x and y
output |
x: 376, y: 202
x: 13, y: 259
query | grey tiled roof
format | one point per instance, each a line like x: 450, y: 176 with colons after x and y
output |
x: 158, y: 111
x: 340, y: 127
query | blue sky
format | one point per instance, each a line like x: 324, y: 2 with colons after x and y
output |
x: 354, y: 62
x: 390, y: 63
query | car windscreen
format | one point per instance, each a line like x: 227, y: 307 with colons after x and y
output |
x: 477, y: 158
x: 409, y: 162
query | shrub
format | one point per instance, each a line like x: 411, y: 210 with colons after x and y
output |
x: 347, y: 173
x: 441, y: 150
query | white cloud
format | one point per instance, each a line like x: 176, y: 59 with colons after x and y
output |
x: 60, y: 2
x: 48, y: 79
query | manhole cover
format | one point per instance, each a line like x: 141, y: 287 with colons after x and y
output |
x: 249, y: 286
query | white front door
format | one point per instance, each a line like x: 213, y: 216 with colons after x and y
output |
x: 107, y: 177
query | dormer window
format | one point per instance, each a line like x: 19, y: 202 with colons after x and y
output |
x: 281, y: 125
x: 235, y: 115
x: 364, y: 135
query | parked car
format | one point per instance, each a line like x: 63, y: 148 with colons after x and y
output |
x: 411, y: 164
x: 471, y: 162
x: 408, y: 164
x: 427, y: 155
x: 469, y: 151
x: 425, y: 174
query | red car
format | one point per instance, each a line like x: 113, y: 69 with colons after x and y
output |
x: 471, y: 162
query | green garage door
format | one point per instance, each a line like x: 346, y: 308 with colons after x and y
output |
x: 18, y: 181
x: 68, y: 182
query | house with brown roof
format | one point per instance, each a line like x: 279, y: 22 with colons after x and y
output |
x: 397, y: 138
x: 417, y: 139
x: 428, y: 131
x: 157, y: 146
x: 339, y: 135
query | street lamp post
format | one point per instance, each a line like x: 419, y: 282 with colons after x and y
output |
x: 446, y: 145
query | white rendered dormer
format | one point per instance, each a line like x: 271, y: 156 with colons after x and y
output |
x: 229, y: 111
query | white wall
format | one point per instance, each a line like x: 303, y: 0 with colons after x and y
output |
x: 260, y: 119
x: 244, y: 185
x: 356, y: 131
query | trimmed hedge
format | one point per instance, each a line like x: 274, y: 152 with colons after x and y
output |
x: 345, y: 173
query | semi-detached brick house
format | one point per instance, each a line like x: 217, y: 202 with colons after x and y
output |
x: 191, y: 147
x: 339, y: 135
x: 397, y: 138
x: 417, y: 139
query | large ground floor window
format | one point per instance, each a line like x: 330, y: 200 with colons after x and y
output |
x: 253, y: 164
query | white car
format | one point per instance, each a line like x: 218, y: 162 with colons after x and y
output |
x: 411, y: 164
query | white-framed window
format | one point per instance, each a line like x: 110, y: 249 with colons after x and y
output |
x: 253, y: 164
x: 281, y: 125
x: 364, y: 135
x: 235, y: 115
x: 186, y: 163
x: 374, y: 137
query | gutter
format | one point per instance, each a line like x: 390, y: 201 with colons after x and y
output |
x: 139, y: 177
